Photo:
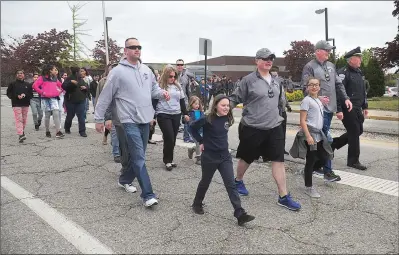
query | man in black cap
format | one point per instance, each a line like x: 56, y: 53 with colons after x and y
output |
x: 260, y: 130
x: 352, y: 78
x: 331, y: 89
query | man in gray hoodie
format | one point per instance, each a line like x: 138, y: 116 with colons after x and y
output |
x: 130, y: 87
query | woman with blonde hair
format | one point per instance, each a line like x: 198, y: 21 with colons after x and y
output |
x: 169, y: 113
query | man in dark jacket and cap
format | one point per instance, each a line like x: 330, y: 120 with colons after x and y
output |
x: 352, y: 78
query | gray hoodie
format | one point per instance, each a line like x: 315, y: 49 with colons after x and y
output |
x: 130, y: 89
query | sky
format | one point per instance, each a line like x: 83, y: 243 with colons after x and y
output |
x: 171, y: 30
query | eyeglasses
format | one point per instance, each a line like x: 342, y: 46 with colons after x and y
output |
x: 134, y: 47
x: 314, y: 85
x: 171, y: 76
x: 179, y: 64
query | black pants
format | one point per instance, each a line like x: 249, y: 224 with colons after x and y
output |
x: 284, y: 124
x: 106, y: 132
x: 210, y: 162
x: 78, y: 109
x: 123, y: 147
x: 152, y: 131
x: 319, y: 156
x: 169, y: 125
x: 353, y: 122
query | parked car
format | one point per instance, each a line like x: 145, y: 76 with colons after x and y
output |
x: 391, y: 92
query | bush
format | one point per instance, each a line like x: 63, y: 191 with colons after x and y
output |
x: 375, y: 75
x: 297, y: 95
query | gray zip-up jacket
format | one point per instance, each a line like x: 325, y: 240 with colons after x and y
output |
x: 332, y: 88
x: 131, y: 88
x: 184, y: 80
x: 299, y: 149
x: 260, y: 101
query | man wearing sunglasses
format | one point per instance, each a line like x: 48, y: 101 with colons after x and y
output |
x: 130, y: 87
x: 260, y: 130
x: 184, y: 81
x: 331, y: 89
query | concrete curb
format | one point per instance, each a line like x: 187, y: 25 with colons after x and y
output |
x: 387, y: 118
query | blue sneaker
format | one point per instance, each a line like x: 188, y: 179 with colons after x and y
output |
x: 241, y: 188
x: 288, y: 203
x: 318, y: 171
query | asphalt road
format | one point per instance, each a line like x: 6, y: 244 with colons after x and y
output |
x: 77, y: 178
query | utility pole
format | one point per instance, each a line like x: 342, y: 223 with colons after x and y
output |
x: 105, y: 36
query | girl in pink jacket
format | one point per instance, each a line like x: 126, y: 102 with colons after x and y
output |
x: 49, y: 88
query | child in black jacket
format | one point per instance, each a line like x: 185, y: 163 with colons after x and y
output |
x: 216, y: 156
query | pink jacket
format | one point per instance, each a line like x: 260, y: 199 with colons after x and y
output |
x: 47, y: 88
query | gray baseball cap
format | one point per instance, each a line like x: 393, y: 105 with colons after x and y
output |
x: 264, y: 53
x: 323, y: 45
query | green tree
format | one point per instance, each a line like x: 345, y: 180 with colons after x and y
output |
x: 78, y: 47
x: 341, y: 62
x: 375, y: 75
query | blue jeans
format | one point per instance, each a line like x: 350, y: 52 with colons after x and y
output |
x: 326, y: 130
x: 78, y: 109
x: 137, y: 139
x: 186, y: 134
x: 115, y: 142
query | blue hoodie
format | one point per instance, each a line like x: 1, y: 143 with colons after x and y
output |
x: 131, y: 87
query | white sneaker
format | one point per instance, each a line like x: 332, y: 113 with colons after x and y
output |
x: 312, y: 192
x: 128, y: 187
x: 150, y: 202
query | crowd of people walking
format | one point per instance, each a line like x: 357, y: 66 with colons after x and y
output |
x: 131, y: 98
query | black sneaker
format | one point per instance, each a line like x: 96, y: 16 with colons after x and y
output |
x: 318, y: 171
x: 48, y: 134
x: 22, y: 138
x: 331, y: 177
x: 358, y: 166
x: 39, y: 122
x: 37, y: 127
x: 198, y: 209
x: 83, y: 134
x: 68, y: 132
x: 168, y: 166
x: 117, y: 159
x: 244, y: 218
x: 59, y: 135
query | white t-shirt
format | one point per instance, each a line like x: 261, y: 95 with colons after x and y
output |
x: 314, y: 118
x: 268, y: 79
x: 173, y: 105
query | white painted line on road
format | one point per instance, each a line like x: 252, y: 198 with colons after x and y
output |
x: 76, y: 235
x: 368, y: 183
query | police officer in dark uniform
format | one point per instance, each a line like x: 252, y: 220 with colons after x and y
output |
x: 352, y: 78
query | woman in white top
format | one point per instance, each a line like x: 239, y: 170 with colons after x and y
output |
x: 169, y: 113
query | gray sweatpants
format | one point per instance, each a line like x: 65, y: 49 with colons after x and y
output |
x: 37, y: 112
x: 56, y: 120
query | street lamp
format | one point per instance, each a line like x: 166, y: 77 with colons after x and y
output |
x: 105, y: 36
x: 106, y: 29
x: 320, y: 11
x: 333, y: 40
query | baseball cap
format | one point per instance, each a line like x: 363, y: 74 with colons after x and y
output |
x: 323, y: 45
x: 264, y: 53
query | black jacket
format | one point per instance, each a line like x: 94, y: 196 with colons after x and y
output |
x: 93, y: 88
x: 73, y: 92
x: 355, y: 88
x: 17, y: 88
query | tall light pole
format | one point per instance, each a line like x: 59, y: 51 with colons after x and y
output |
x: 333, y: 40
x: 320, y: 11
x: 105, y: 36
x: 106, y: 26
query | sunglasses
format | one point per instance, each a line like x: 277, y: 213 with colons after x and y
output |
x: 268, y: 59
x: 179, y: 64
x: 171, y: 76
x: 133, y: 47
